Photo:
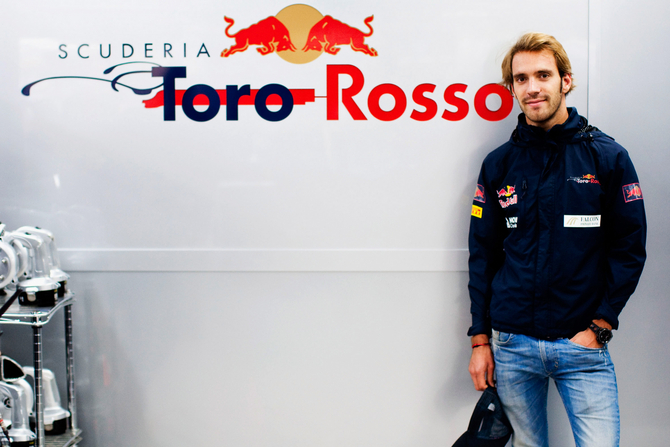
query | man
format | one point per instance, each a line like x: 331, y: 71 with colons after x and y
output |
x: 557, y: 246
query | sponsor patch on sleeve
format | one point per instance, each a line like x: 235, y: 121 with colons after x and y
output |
x: 479, y: 194
x: 477, y: 211
x: 632, y: 192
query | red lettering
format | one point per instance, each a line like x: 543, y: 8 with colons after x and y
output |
x: 458, y: 105
x: 462, y: 107
x: 505, y: 107
x: 419, y: 98
x: 333, y: 91
x: 398, y: 96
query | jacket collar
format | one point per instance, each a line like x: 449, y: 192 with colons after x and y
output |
x: 560, y: 133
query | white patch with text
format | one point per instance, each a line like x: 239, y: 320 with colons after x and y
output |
x: 581, y: 221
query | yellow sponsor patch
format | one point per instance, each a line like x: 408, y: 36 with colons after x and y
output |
x: 477, y: 211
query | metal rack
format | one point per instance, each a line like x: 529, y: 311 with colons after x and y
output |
x: 37, y: 317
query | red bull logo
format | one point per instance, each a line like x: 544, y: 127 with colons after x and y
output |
x: 479, y: 194
x: 506, y: 192
x: 509, y: 193
x: 632, y: 192
x: 299, y: 34
x: 269, y: 34
x: 328, y: 33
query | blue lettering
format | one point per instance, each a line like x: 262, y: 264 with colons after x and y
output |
x: 233, y: 94
x: 132, y: 50
x: 109, y: 51
x: 210, y: 93
x: 169, y: 74
x: 79, y: 51
x: 203, y: 50
x: 261, y: 102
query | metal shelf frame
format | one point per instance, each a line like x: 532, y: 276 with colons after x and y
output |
x: 37, y: 317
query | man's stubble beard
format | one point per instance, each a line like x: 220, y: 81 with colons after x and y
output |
x: 550, y: 114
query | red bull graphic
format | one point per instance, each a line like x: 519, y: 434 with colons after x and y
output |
x: 507, y: 192
x: 479, y: 194
x: 510, y: 197
x: 329, y: 33
x: 632, y: 192
x: 303, y: 27
x: 270, y: 34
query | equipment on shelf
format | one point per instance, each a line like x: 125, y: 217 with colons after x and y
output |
x: 11, y: 372
x: 51, y: 253
x: 17, y: 402
x: 55, y: 416
x: 14, y: 398
x: 29, y: 260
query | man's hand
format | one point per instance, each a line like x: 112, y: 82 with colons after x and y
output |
x: 587, y: 338
x: 481, y: 363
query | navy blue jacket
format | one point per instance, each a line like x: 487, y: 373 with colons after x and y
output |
x: 557, y: 233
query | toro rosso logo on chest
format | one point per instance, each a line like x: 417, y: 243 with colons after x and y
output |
x: 586, y: 178
x: 509, y: 195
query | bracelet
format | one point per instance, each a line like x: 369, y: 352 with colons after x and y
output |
x: 480, y: 344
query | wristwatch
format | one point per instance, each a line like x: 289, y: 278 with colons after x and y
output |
x: 603, y: 335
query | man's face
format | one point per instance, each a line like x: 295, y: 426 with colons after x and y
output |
x: 539, y: 88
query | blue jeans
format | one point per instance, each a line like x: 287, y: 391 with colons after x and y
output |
x: 585, y: 380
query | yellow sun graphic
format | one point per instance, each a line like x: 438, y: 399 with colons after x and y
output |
x: 299, y: 20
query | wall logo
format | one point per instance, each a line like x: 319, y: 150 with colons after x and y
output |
x: 299, y: 34
x: 632, y: 192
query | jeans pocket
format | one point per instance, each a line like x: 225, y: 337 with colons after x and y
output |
x: 584, y: 348
x: 501, y: 338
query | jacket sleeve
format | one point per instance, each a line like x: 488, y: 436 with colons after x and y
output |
x: 485, y: 243
x: 626, y: 236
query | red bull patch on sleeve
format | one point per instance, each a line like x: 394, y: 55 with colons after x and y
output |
x: 479, y: 194
x: 632, y: 192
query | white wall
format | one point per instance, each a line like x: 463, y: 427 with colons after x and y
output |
x: 628, y: 103
x: 329, y: 308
